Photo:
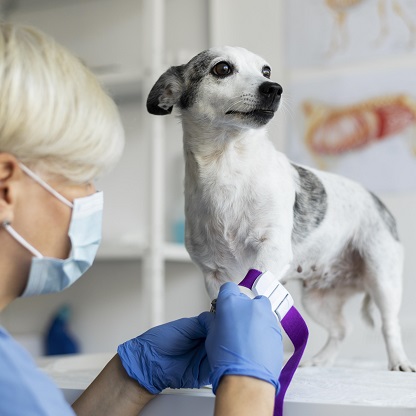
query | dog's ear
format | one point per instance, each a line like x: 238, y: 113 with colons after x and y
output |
x: 166, y: 92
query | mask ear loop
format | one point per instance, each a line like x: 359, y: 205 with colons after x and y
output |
x: 49, y: 188
x: 21, y: 240
x: 41, y: 182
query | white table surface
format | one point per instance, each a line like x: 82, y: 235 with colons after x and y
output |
x: 349, y: 388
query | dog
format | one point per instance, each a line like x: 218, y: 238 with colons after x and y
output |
x: 247, y: 206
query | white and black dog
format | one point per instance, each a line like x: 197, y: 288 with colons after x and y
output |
x: 247, y: 206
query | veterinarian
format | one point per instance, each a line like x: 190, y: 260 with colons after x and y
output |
x: 58, y: 132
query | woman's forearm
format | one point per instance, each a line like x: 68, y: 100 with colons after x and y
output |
x: 113, y: 393
x: 240, y: 396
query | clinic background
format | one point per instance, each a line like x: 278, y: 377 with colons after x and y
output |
x: 126, y: 43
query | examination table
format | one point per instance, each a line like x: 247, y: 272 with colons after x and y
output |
x: 350, y: 388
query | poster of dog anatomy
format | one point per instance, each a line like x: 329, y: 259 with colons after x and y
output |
x: 362, y: 126
x: 328, y: 32
x: 351, y: 90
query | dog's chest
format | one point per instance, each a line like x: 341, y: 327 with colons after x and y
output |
x: 229, y: 200
x: 234, y: 185
x: 233, y: 203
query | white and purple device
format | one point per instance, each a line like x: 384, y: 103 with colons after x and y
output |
x: 267, y: 285
x: 264, y: 283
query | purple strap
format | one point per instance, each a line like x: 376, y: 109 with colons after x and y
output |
x: 297, y: 331
x: 250, y: 278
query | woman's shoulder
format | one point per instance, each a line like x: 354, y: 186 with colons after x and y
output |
x: 15, y: 361
x: 23, y: 386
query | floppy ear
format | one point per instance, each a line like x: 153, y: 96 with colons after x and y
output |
x: 166, y: 92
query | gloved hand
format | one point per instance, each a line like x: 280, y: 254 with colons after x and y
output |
x: 243, y: 338
x: 170, y: 355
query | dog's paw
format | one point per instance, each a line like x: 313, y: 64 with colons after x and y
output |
x: 405, y: 366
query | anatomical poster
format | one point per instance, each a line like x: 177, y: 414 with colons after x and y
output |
x: 360, y: 125
x: 334, y: 32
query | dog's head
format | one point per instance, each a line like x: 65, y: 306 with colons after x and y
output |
x: 226, y: 85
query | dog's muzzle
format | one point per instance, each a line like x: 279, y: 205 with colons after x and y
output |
x: 268, y: 103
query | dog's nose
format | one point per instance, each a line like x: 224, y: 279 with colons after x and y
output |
x: 271, y: 89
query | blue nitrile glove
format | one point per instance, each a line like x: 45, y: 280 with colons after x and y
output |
x: 243, y: 338
x: 170, y: 355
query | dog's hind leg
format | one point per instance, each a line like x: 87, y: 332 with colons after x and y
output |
x: 385, y: 288
x: 325, y: 307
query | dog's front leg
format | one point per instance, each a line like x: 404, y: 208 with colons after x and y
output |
x: 272, y: 224
x: 273, y: 250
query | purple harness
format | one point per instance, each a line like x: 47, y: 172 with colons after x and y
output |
x: 291, y: 321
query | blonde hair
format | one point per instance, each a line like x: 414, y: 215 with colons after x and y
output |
x: 54, y: 115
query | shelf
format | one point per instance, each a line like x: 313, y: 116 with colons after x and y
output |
x: 120, y: 85
x: 37, y: 4
x: 120, y: 250
x: 176, y: 252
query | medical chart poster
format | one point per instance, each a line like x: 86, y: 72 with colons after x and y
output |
x: 360, y: 125
x: 336, y: 32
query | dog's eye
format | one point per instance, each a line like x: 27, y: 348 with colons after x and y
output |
x: 222, y: 69
x: 266, y: 71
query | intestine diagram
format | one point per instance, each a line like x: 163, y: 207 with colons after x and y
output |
x: 333, y: 131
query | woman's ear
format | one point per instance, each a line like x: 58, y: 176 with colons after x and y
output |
x: 9, y: 171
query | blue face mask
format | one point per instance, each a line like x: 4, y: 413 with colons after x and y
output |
x: 49, y: 275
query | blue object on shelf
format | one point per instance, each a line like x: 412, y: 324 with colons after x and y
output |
x: 59, y: 340
x: 179, y: 231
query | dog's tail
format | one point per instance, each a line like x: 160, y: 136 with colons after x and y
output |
x: 366, y: 310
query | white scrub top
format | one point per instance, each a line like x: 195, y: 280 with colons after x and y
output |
x: 24, y: 389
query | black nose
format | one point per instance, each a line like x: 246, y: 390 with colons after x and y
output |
x: 271, y: 89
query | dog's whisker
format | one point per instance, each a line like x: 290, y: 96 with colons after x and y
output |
x: 234, y: 105
x: 286, y: 111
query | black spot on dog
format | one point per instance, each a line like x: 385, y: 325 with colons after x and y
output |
x: 387, y: 217
x: 166, y: 91
x: 179, y: 85
x: 195, y: 70
x: 310, y: 204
